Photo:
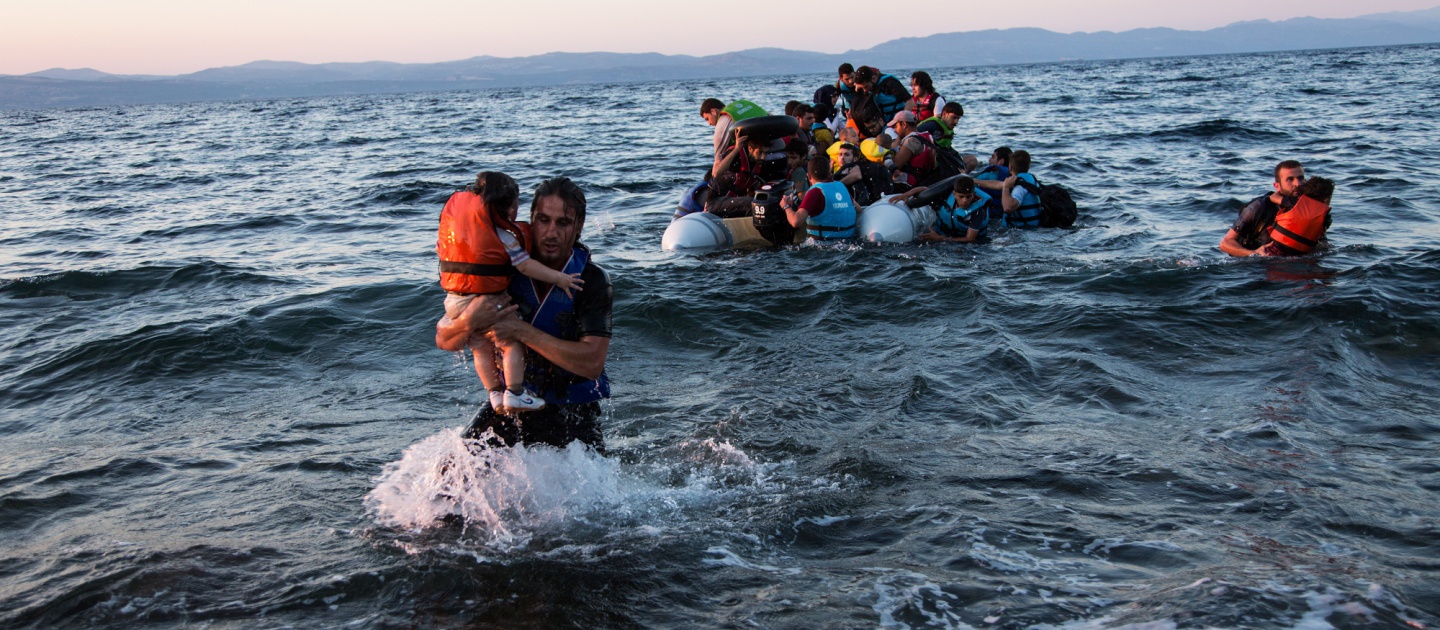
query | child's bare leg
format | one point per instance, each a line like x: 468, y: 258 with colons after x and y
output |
x: 485, y: 363
x: 514, y: 366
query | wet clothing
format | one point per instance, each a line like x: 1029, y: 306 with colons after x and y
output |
x: 556, y: 425
x: 994, y: 173
x: 922, y: 159
x: 1255, y: 221
x: 1028, y: 215
x: 573, y: 412
x: 957, y: 222
x: 1298, y: 230
x: 832, y: 212
x: 874, y: 182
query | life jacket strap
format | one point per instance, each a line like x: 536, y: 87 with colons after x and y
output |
x: 1296, y: 237
x: 473, y: 269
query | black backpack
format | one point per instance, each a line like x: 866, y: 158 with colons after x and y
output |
x: 948, y: 162
x: 1057, y: 209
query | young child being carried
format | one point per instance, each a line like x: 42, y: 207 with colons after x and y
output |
x: 480, y: 242
x: 1300, y: 229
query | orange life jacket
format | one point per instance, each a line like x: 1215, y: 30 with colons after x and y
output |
x: 1301, y: 227
x: 472, y: 258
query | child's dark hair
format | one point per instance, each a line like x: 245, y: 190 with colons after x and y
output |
x: 499, y: 193
x: 1317, y: 188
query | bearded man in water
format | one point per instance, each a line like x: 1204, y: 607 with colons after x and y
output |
x: 567, y: 339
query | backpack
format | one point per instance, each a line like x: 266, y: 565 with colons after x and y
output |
x: 948, y: 162
x: 1057, y: 209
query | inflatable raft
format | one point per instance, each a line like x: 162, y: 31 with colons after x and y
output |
x: 889, y: 221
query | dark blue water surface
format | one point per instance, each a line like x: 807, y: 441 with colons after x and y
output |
x: 221, y: 405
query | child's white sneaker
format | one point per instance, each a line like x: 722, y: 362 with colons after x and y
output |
x: 524, y: 401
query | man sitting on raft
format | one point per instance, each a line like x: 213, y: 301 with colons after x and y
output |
x: 827, y: 213
x: 736, y: 176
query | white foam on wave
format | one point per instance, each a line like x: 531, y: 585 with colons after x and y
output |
x: 507, y: 493
x: 907, y: 595
x: 507, y: 496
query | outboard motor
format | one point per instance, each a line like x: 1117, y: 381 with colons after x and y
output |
x: 770, y: 219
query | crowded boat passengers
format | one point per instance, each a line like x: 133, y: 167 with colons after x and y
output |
x: 866, y: 139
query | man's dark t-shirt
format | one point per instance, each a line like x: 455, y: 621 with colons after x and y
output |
x: 1257, y: 218
x: 558, y: 425
x: 1252, y: 226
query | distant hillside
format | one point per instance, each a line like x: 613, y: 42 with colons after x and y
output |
x: 59, y: 87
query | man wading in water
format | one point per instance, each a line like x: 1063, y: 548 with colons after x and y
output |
x: 566, y: 339
x: 1251, y: 230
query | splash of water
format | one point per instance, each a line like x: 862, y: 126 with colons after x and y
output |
x: 509, y: 495
x: 506, y: 493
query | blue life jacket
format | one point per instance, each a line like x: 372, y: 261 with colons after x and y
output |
x: 837, y: 220
x: 996, y: 173
x: 888, y: 103
x: 993, y: 172
x: 952, y: 221
x: 689, y: 202
x: 1028, y: 215
x: 553, y: 314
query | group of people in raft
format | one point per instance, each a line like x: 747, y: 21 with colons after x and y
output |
x: 866, y: 137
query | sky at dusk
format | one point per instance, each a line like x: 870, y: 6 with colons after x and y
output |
x: 176, y: 37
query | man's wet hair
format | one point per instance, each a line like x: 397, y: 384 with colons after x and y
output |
x: 1317, y: 188
x: 1003, y: 153
x: 846, y: 68
x: 1019, y: 162
x: 569, y: 193
x: 1285, y: 166
x: 711, y: 103
x: 818, y: 168
x: 790, y: 107
x: 952, y: 107
x: 866, y: 74
x: 801, y: 109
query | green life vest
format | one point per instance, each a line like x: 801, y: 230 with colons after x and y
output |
x: 947, y: 134
x: 743, y: 109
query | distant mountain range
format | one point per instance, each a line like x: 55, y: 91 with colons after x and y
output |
x: 60, y: 87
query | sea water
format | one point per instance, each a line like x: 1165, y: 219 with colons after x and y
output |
x: 221, y: 404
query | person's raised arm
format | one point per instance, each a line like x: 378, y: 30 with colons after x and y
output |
x: 722, y: 164
x: 1008, y: 202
